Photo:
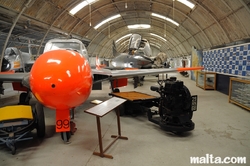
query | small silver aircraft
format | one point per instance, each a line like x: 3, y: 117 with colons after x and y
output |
x: 138, y: 56
x: 16, y: 60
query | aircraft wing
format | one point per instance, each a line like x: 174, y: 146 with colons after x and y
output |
x: 113, y: 74
x: 106, y: 73
x: 12, y: 77
x: 99, y: 74
x: 23, y: 78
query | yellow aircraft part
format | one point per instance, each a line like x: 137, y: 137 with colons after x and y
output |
x: 17, y: 64
x: 16, y: 112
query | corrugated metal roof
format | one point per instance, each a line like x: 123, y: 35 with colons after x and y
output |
x: 209, y: 24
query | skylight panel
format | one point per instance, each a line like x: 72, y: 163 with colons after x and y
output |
x: 139, y: 26
x: 165, y: 18
x: 80, y: 6
x: 187, y: 3
x: 107, y: 20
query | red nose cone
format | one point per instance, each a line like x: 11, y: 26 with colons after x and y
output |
x: 61, y: 79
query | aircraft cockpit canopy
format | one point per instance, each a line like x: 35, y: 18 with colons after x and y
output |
x: 68, y: 44
x: 64, y: 45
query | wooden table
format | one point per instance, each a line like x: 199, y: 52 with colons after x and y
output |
x: 100, y: 111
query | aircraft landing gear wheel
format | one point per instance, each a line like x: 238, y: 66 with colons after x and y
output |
x: 65, y: 136
x: 116, y: 90
x: 142, y: 78
x: 40, y: 126
x: 24, y: 98
x: 72, y: 113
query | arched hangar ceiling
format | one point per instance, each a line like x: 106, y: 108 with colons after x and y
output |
x: 210, y: 24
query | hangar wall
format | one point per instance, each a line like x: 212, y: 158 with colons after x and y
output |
x: 233, y: 60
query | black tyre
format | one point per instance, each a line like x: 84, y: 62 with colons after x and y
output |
x: 190, y: 114
x: 72, y: 113
x: 24, y: 99
x: 65, y: 136
x: 116, y: 90
x: 40, y: 126
x: 142, y: 78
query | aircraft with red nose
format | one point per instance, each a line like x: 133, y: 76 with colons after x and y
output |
x: 62, y: 80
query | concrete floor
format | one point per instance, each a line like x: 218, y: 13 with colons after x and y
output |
x: 221, y: 130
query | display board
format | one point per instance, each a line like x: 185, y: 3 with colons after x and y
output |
x: 196, y: 60
x: 233, y: 60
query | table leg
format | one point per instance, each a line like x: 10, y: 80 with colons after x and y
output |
x: 101, y: 153
x: 99, y: 135
x: 119, y: 126
x: 118, y: 121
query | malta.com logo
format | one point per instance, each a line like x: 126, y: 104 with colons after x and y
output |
x: 210, y: 159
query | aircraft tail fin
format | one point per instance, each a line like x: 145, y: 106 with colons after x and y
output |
x: 29, y: 48
x: 98, y: 64
x: 115, y: 52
